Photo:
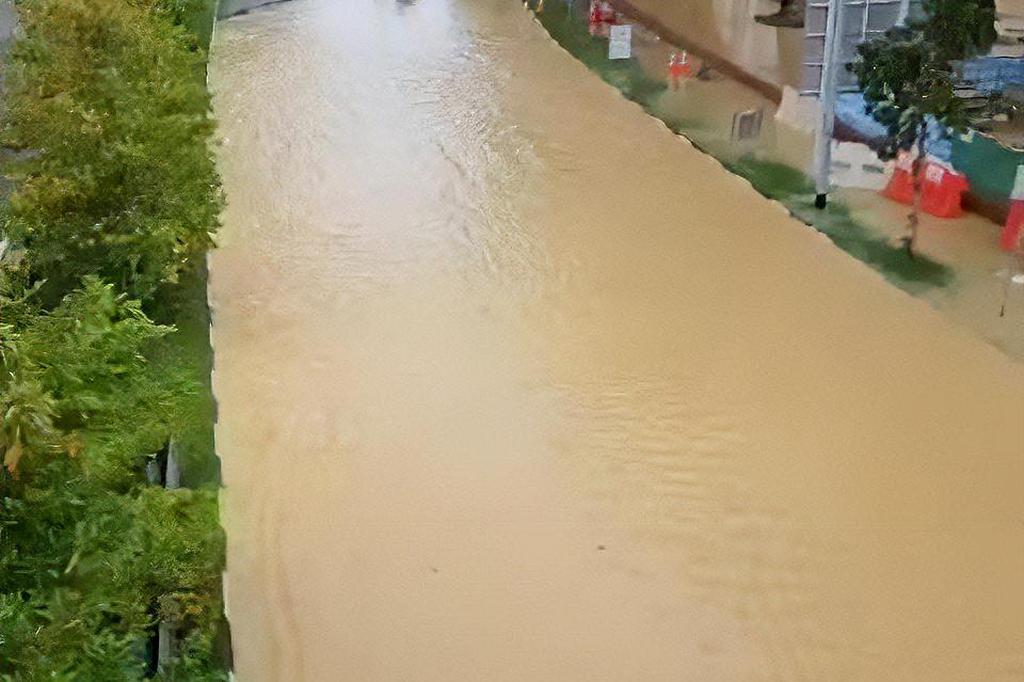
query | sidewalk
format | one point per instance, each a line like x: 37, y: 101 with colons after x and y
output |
x: 959, y: 270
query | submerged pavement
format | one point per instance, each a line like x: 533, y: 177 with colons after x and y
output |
x: 515, y: 385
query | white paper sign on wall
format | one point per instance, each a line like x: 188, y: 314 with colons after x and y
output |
x: 620, y: 45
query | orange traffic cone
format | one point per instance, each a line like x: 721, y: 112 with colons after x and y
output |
x: 679, y: 67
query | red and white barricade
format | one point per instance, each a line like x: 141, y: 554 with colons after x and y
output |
x: 901, y: 185
x: 942, y: 187
x: 602, y: 15
x: 942, y: 191
x: 1012, y: 238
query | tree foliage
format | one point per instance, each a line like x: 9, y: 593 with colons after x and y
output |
x: 77, y: 369
x: 120, y: 181
x: 906, y: 83
x: 83, y: 589
x: 959, y: 28
x: 906, y: 74
x: 89, y: 553
x: 115, y: 196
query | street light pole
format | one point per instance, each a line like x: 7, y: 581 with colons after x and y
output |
x: 827, y: 102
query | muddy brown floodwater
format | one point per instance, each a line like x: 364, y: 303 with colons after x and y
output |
x: 516, y: 385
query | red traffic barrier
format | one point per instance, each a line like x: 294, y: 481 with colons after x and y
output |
x: 602, y: 15
x: 901, y: 185
x: 942, y: 188
x: 601, y: 12
x: 1012, y: 238
x: 942, y: 191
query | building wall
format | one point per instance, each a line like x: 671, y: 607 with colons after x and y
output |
x: 727, y: 28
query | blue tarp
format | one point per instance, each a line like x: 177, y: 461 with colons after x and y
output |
x: 990, y: 75
x: 851, y: 109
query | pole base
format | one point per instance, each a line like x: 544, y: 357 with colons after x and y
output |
x: 821, y: 201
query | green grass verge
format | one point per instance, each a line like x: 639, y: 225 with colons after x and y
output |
x: 625, y: 75
x: 197, y: 16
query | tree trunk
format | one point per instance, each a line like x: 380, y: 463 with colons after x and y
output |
x: 914, y: 219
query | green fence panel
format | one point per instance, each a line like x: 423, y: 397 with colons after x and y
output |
x: 990, y: 166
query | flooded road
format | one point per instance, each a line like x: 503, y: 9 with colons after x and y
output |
x: 514, y: 384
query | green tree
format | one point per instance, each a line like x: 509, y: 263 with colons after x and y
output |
x: 90, y: 555
x: 907, y: 79
x: 117, y: 196
x: 959, y: 28
x: 26, y: 408
x: 80, y: 367
x: 86, y: 576
x: 121, y: 182
x: 906, y: 87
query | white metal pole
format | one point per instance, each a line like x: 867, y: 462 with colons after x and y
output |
x: 827, y: 102
x: 904, y: 12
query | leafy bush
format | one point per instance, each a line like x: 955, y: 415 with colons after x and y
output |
x: 115, y: 198
x: 121, y: 182
x: 78, y: 376
x: 960, y: 28
x: 92, y: 573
